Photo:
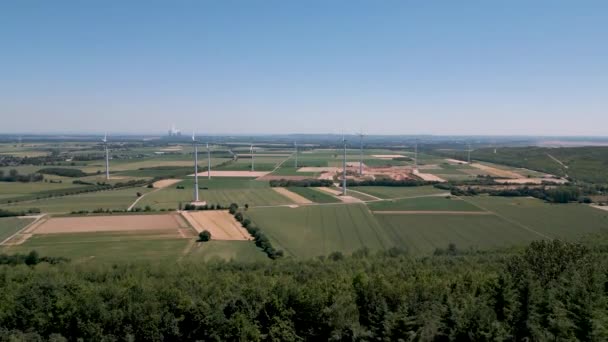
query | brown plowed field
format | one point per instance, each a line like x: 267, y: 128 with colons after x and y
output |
x: 219, y: 223
x: 63, y: 225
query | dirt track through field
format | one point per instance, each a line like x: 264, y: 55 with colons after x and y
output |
x: 86, y: 224
x: 221, y: 224
x: 292, y: 195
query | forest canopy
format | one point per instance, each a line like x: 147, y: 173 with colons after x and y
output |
x: 551, y: 290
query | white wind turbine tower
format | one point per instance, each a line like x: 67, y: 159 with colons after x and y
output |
x: 469, y: 153
x: 251, y: 151
x: 105, y: 146
x: 208, y: 162
x: 361, y: 135
x: 344, y: 167
x: 195, y: 167
x: 416, y: 156
x: 295, y: 146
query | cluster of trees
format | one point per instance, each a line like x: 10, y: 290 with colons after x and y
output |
x: 190, y: 206
x: 63, y: 172
x: 550, y: 291
x: 8, y: 213
x: 303, y: 182
x: 14, y: 176
x: 553, y: 194
x: 30, y: 259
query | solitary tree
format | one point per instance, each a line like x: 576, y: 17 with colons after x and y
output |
x: 204, y: 236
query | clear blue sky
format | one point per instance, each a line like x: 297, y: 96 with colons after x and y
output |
x: 260, y: 66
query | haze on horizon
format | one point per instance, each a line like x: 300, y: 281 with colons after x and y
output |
x: 253, y: 67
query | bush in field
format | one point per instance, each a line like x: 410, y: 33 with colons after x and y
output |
x: 204, y: 236
x: 233, y: 208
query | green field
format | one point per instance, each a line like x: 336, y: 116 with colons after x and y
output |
x: 226, y: 250
x: 387, y: 192
x: 552, y: 220
x: 10, y: 190
x: 111, y: 199
x: 11, y: 225
x: 424, y: 204
x: 312, y: 231
x: 222, y: 191
x: 422, y: 234
x: 314, y: 195
x: 117, y: 246
x: 104, y: 247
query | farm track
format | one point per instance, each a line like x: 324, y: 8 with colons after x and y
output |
x: 140, y: 197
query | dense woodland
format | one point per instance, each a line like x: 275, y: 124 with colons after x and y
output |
x: 548, y: 291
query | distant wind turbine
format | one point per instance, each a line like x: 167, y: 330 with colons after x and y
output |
x: 361, y: 135
x: 208, y: 162
x: 416, y: 156
x: 105, y: 146
x: 251, y: 151
x: 295, y: 146
x: 344, y: 167
x: 195, y: 167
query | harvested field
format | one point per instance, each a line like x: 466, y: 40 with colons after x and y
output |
x: 254, y: 174
x: 455, y: 161
x: 165, y: 183
x: 496, y: 172
x: 86, y: 224
x: 296, y: 198
x: 430, y: 177
x: 387, y: 156
x: 219, y: 223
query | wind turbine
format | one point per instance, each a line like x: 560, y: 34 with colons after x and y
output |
x: 344, y: 167
x: 105, y: 146
x: 195, y: 167
x: 208, y: 162
x: 361, y: 135
x: 295, y: 146
x: 416, y: 156
x: 469, y: 153
x: 252, y: 158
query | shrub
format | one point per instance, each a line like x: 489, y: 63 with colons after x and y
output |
x: 204, y: 236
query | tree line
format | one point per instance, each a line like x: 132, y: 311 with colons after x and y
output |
x: 551, y: 290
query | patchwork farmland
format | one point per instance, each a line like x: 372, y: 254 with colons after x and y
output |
x: 303, y: 222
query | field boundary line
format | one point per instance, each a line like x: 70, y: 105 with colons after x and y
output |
x: 510, y: 220
x: 38, y: 218
x: 363, y: 193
